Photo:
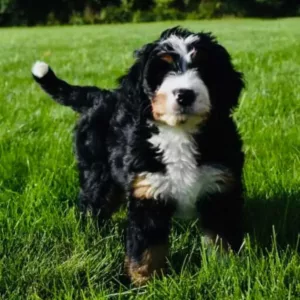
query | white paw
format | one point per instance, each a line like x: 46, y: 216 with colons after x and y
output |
x: 40, y: 69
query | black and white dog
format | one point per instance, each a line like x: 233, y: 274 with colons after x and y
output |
x: 164, y: 140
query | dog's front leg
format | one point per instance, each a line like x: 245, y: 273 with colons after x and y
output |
x: 148, y: 229
x: 221, y: 217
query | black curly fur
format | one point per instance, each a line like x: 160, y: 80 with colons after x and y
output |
x: 111, y: 145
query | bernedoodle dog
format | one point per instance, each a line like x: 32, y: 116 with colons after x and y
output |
x: 165, y: 141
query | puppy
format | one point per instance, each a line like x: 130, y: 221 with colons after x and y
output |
x: 165, y: 141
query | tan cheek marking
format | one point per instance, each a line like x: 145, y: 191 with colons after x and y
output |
x: 152, y: 263
x: 159, y: 112
x: 159, y: 104
x: 141, y: 189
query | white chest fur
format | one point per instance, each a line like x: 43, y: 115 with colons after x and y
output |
x: 184, y: 181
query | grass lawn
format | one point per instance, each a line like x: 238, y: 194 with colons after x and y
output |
x: 46, y: 254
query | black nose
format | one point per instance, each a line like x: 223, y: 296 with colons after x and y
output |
x: 185, y: 97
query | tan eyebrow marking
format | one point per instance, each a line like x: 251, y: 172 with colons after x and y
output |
x: 193, y: 52
x: 168, y: 58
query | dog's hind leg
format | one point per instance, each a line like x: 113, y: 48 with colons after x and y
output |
x: 79, y: 98
x: 99, y: 194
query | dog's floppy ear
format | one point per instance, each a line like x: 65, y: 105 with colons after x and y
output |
x: 236, y: 80
x: 144, y: 50
x: 134, y: 74
x: 138, y: 52
x: 224, y: 81
x: 233, y: 80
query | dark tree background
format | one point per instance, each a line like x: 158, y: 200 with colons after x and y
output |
x: 35, y: 12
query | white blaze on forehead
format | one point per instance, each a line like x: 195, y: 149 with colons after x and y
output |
x: 180, y: 45
x: 188, y: 80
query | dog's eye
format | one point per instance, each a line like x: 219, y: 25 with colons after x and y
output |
x: 158, y: 69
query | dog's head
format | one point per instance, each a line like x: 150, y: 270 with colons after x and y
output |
x: 187, y: 76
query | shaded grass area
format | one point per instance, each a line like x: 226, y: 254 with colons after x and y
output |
x: 45, y: 253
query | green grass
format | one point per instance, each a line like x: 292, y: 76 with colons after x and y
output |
x: 46, y: 254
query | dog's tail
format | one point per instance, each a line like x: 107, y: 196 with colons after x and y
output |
x: 78, y: 98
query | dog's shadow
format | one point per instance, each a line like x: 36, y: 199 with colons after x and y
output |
x: 267, y: 220
x: 274, y: 218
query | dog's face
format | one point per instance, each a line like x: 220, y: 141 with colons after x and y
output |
x: 186, y: 76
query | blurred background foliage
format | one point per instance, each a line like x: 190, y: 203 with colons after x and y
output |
x: 77, y: 12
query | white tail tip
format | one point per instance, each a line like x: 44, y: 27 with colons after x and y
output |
x: 40, y: 69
